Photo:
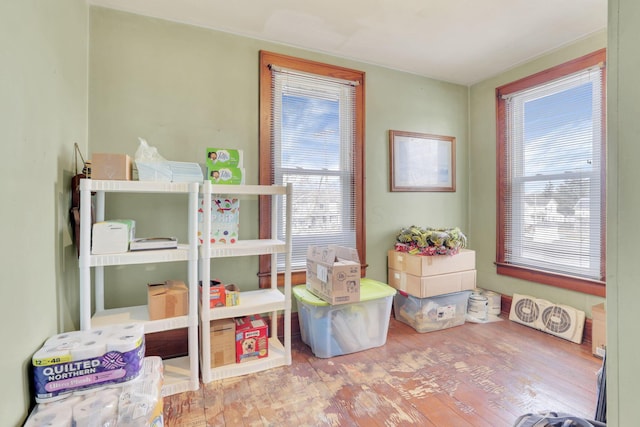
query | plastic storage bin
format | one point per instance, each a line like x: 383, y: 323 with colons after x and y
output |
x: 431, y: 314
x: 334, y: 330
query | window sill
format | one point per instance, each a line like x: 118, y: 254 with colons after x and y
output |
x: 586, y: 286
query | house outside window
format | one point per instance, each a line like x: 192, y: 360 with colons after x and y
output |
x: 551, y: 176
x: 311, y: 135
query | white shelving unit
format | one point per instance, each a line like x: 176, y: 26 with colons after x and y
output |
x: 180, y: 374
x: 269, y: 300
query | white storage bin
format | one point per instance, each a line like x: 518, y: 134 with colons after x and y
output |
x: 333, y: 330
x: 431, y: 314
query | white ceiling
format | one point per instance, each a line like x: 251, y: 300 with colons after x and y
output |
x: 459, y: 41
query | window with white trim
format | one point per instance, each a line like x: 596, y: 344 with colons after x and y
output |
x: 551, y: 176
x: 314, y: 141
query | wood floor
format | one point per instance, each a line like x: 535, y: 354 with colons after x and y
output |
x: 480, y: 375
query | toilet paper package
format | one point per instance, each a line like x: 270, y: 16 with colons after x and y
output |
x: 82, y: 360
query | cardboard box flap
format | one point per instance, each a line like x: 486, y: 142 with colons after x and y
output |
x: 332, y: 254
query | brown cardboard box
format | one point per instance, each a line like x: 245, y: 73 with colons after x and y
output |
x: 599, y: 330
x: 168, y: 299
x: 222, y: 333
x: 333, y: 273
x: 111, y: 166
x: 422, y: 265
x: 429, y: 286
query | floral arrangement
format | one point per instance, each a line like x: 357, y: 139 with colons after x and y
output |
x: 430, y: 241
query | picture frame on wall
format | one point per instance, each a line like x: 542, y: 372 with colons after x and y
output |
x: 422, y: 162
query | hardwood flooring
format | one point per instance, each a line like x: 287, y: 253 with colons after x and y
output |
x: 479, y: 375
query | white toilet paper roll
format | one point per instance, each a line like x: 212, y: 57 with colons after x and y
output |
x: 89, y: 349
x: 124, y: 342
x: 68, y: 400
x: 96, y: 410
x: 53, y: 416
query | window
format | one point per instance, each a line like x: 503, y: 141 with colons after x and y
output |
x: 312, y: 135
x: 551, y: 176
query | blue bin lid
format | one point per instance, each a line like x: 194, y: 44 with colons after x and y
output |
x: 369, y: 290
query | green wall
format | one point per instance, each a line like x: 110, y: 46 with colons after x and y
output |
x: 623, y: 269
x: 482, y: 178
x: 43, y: 111
x: 185, y: 88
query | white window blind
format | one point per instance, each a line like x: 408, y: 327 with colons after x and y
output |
x: 554, y: 160
x: 313, y: 147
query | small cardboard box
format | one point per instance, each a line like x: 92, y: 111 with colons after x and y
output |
x: 252, y: 338
x: 599, y: 330
x: 233, y: 295
x: 428, y: 286
x: 423, y: 265
x: 222, y: 333
x: 168, y: 299
x: 333, y: 273
x: 217, y: 294
x: 111, y: 166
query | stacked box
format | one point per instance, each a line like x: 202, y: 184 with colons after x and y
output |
x: 333, y: 330
x: 425, y: 276
x: 111, y: 166
x: 431, y: 314
x: 224, y: 166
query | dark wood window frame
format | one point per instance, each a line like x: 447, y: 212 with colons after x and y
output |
x: 592, y: 287
x: 265, y: 172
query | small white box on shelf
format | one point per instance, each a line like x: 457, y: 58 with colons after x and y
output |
x: 112, y: 237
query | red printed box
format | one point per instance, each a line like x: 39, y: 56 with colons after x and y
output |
x: 252, y: 338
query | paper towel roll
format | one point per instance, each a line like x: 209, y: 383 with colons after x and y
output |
x: 52, y: 416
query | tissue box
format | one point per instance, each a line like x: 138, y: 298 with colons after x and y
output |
x: 227, y: 175
x: 333, y: 273
x: 252, y: 340
x: 82, y: 360
x: 112, y: 237
x: 225, y: 220
x: 168, y: 299
x: 333, y: 330
x: 111, y: 166
x: 222, y: 333
x: 431, y: 314
x: 224, y: 157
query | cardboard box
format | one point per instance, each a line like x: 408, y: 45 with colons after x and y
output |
x: 428, y: 286
x: 217, y: 294
x: 252, y: 338
x: 422, y: 265
x: 232, y: 295
x: 333, y: 273
x: 431, y: 314
x: 222, y: 333
x: 599, y: 330
x: 168, y: 299
x: 111, y: 166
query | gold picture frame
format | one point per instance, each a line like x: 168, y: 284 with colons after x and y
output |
x: 422, y: 162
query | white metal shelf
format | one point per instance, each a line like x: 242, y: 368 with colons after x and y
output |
x: 251, y: 302
x: 138, y: 314
x: 272, y: 301
x: 278, y: 356
x: 181, y: 374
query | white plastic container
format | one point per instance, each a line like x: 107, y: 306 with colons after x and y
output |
x: 334, y: 330
x: 431, y: 314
